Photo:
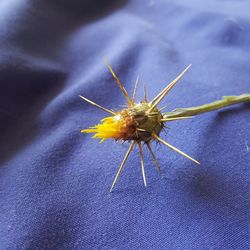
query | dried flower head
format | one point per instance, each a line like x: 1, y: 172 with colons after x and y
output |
x: 137, y: 123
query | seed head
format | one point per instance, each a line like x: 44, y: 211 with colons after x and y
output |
x: 139, y: 122
x: 133, y: 123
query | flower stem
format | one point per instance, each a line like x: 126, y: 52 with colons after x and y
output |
x: 224, y: 102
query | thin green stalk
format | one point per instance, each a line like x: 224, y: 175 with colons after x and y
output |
x: 224, y: 102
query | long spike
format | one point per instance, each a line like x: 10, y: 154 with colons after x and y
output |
x: 98, y: 106
x: 153, y: 156
x: 141, y: 129
x: 135, y: 88
x: 162, y: 108
x: 145, y: 92
x: 130, y: 102
x: 175, y: 118
x: 142, y: 165
x: 183, y: 72
x: 173, y: 148
x: 122, y: 165
x: 164, y: 92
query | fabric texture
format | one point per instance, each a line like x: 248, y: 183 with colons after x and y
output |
x: 54, y: 181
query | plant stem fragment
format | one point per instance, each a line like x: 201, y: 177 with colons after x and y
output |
x: 192, y: 111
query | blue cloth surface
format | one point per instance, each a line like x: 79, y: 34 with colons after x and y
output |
x: 54, y: 181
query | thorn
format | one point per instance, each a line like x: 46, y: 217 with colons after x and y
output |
x: 153, y: 156
x: 145, y: 92
x: 97, y: 105
x: 135, y: 88
x: 174, y: 148
x: 122, y: 165
x: 130, y: 102
x: 142, y: 165
x: 164, y: 92
x: 176, y: 118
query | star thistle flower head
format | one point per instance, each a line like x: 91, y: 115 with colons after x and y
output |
x: 139, y: 122
x: 133, y: 123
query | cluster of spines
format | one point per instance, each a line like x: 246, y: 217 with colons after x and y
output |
x: 153, y: 104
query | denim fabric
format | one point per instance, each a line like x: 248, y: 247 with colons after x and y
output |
x: 54, y: 181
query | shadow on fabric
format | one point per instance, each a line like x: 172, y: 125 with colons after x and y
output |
x: 33, y: 74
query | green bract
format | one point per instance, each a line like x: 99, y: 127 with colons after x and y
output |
x: 146, y: 121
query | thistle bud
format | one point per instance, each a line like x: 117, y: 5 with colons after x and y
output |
x: 146, y: 122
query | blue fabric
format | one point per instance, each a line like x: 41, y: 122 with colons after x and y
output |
x: 54, y: 181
